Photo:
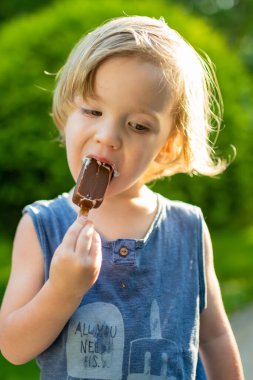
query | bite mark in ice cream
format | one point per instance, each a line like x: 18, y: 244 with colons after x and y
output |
x: 91, y: 185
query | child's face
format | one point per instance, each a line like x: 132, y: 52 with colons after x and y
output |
x: 125, y: 124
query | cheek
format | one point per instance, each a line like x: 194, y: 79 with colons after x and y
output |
x: 139, y: 163
x: 73, y: 159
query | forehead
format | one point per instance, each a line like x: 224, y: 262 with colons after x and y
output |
x: 133, y: 79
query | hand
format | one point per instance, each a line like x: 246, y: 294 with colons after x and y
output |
x: 77, y: 260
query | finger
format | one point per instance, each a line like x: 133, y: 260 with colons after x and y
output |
x: 84, y: 240
x: 95, y: 249
x: 71, y: 236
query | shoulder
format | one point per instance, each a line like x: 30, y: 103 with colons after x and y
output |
x: 25, y: 226
x: 25, y: 236
x: 42, y: 206
x: 27, y: 268
x: 178, y: 206
x: 56, y: 211
x: 182, y: 213
x: 26, y: 254
x: 51, y: 219
x: 183, y: 221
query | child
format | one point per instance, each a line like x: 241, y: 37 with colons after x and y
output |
x: 130, y: 292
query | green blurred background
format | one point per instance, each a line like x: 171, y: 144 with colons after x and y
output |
x: 36, y: 37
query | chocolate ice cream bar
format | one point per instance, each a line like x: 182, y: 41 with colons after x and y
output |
x: 91, y: 184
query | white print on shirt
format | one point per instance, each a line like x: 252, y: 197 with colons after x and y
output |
x: 95, y: 342
x: 146, y: 353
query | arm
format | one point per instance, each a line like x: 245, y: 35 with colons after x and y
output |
x: 33, y: 314
x: 218, y: 348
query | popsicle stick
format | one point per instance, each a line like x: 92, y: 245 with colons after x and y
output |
x: 84, y: 211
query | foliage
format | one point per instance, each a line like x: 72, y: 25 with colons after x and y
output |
x: 29, y: 371
x: 233, y: 18
x: 14, y: 8
x: 33, y: 166
x: 233, y: 262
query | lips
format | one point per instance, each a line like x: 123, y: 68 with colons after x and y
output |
x: 104, y: 160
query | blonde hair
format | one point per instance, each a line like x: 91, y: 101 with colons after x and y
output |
x: 197, y: 104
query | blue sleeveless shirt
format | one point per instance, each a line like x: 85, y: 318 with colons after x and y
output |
x: 140, y: 320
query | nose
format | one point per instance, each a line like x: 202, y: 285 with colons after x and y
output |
x: 108, y: 135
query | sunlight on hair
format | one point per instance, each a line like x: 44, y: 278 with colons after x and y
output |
x: 191, y: 80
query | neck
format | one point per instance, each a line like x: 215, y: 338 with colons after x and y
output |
x: 125, y: 216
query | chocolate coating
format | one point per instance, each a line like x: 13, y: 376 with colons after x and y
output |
x: 92, y: 183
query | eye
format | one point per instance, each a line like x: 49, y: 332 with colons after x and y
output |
x: 89, y: 112
x: 139, y: 128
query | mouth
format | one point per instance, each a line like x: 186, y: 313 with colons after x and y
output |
x: 106, y: 163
